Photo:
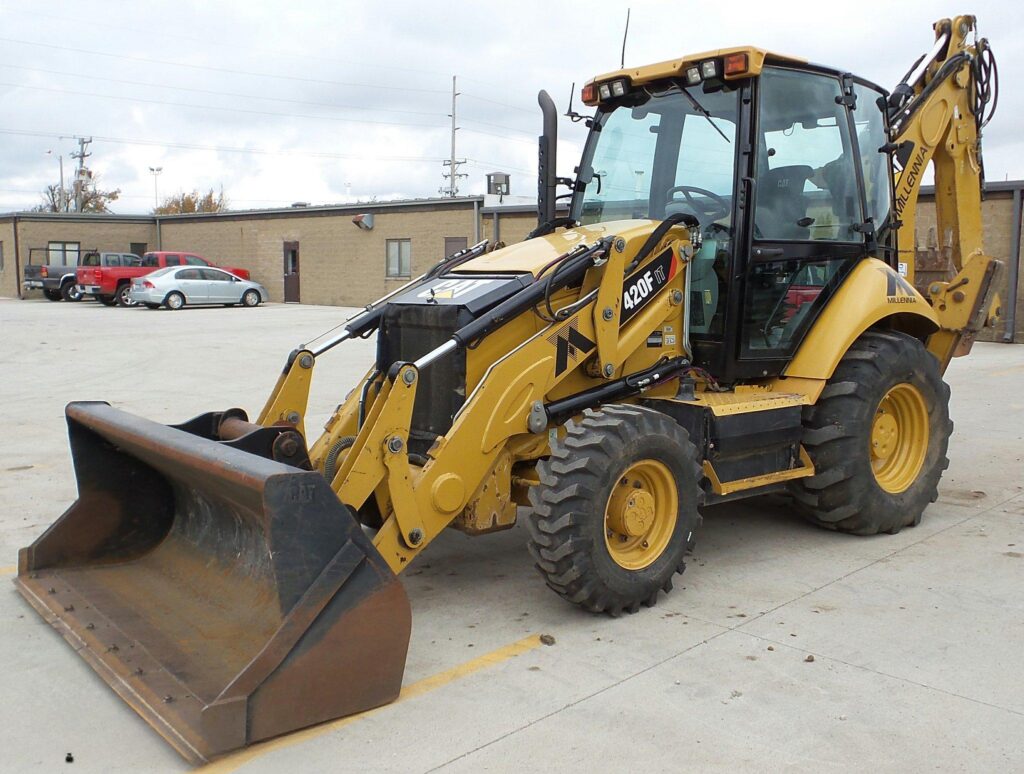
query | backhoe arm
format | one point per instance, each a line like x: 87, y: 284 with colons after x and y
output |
x: 936, y: 115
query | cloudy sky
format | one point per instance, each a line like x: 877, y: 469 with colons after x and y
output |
x: 332, y: 101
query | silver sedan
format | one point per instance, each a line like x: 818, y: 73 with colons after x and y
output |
x: 176, y: 286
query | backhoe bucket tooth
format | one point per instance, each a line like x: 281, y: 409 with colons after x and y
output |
x: 228, y: 598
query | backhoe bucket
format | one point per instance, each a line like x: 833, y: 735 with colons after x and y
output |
x: 228, y: 598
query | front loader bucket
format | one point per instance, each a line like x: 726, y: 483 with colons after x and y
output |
x: 228, y: 598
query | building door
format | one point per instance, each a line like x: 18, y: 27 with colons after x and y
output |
x: 291, y: 272
x: 454, y: 244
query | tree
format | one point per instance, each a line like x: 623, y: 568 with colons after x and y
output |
x: 93, y: 199
x: 193, y: 201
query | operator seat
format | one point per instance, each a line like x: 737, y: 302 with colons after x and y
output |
x: 781, y: 204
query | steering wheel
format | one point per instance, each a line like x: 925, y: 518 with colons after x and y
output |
x: 721, y: 207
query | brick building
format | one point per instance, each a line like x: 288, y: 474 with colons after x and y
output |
x: 349, y: 255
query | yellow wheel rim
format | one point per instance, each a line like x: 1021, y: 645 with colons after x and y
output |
x: 641, y: 514
x: 899, y: 438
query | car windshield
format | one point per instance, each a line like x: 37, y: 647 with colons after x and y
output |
x: 657, y: 153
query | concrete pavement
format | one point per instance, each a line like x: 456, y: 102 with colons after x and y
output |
x: 916, y: 638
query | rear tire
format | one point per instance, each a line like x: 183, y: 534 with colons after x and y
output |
x: 69, y: 292
x: 107, y: 300
x: 878, y: 437
x: 124, y: 296
x: 615, y: 508
x: 52, y: 295
x: 251, y: 298
x: 174, y: 300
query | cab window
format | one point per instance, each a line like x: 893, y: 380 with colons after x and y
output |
x: 871, y: 138
x: 195, y: 260
x: 806, y: 179
x: 149, y: 259
x: 173, y: 260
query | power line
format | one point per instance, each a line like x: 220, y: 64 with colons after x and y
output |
x: 211, y: 68
x: 230, y: 149
x: 218, y: 44
x: 249, y: 111
x: 211, y: 92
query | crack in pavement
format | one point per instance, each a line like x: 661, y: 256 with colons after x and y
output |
x: 737, y: 629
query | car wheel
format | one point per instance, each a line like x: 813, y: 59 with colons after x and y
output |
x: 107, y: 300
x: 124, y: 296
x: 251, y: 298
x: 70, y: 292
x: 52, y: 295
x: 174, y: 300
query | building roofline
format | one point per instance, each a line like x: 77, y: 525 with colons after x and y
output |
x: 355, y: 208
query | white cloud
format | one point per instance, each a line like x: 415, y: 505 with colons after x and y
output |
x: 183, y: 80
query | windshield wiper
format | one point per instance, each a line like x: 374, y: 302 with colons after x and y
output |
x: 704, y: 112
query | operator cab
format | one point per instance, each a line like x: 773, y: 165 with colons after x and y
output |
x: 781, y: 162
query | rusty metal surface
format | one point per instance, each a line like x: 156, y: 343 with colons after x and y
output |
x: 226, y: 597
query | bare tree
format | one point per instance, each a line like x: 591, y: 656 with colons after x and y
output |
x: 93, y: 199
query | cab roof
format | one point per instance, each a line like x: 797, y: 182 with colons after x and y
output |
x: 676, y: 68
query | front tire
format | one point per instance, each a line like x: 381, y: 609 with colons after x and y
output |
x: 251, y: 298
x: 615, y: 509
x: 174, y: 300
x: 878, y: 437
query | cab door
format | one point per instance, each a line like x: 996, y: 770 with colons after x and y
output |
x: 807, y: 227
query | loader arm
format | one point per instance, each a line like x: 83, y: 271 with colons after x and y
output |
x: 936, y: 116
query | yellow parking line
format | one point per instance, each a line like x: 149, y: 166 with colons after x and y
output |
x: 233, y: 762
x: 9, y: 570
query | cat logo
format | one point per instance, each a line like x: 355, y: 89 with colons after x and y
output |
x: 569, y: 344
x: 897, y: 289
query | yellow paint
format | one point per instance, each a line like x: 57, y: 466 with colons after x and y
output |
x: 870, y: 294
x: 235, y: 761
x: 728, y: 487
x: 676, y: 68
x: 899, y: 438
x: 640, y: 516
x: 290, y: 394
x: 9, y: 570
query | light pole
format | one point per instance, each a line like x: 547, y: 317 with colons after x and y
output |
x: 155, y: 171
x: 61, y: 199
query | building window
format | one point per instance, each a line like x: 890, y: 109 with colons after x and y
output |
x: 1, y: 256
x: 399, y: 263
x: 63, y: 253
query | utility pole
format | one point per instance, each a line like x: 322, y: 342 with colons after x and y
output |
x: 82, y: 173
x: 453, y: 164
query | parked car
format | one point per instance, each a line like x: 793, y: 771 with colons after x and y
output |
x: 113, y: 284
x: 176, y: 286
x: 58, y: 280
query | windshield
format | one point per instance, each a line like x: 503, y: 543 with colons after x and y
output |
x: 658, y: 153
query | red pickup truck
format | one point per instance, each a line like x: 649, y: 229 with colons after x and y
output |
x: 111, y: 284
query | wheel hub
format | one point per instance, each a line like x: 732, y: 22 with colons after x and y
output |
x: 899, y: 438
x: 641, y: 514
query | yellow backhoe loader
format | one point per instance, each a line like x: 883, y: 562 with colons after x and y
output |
x: 727, y: 309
